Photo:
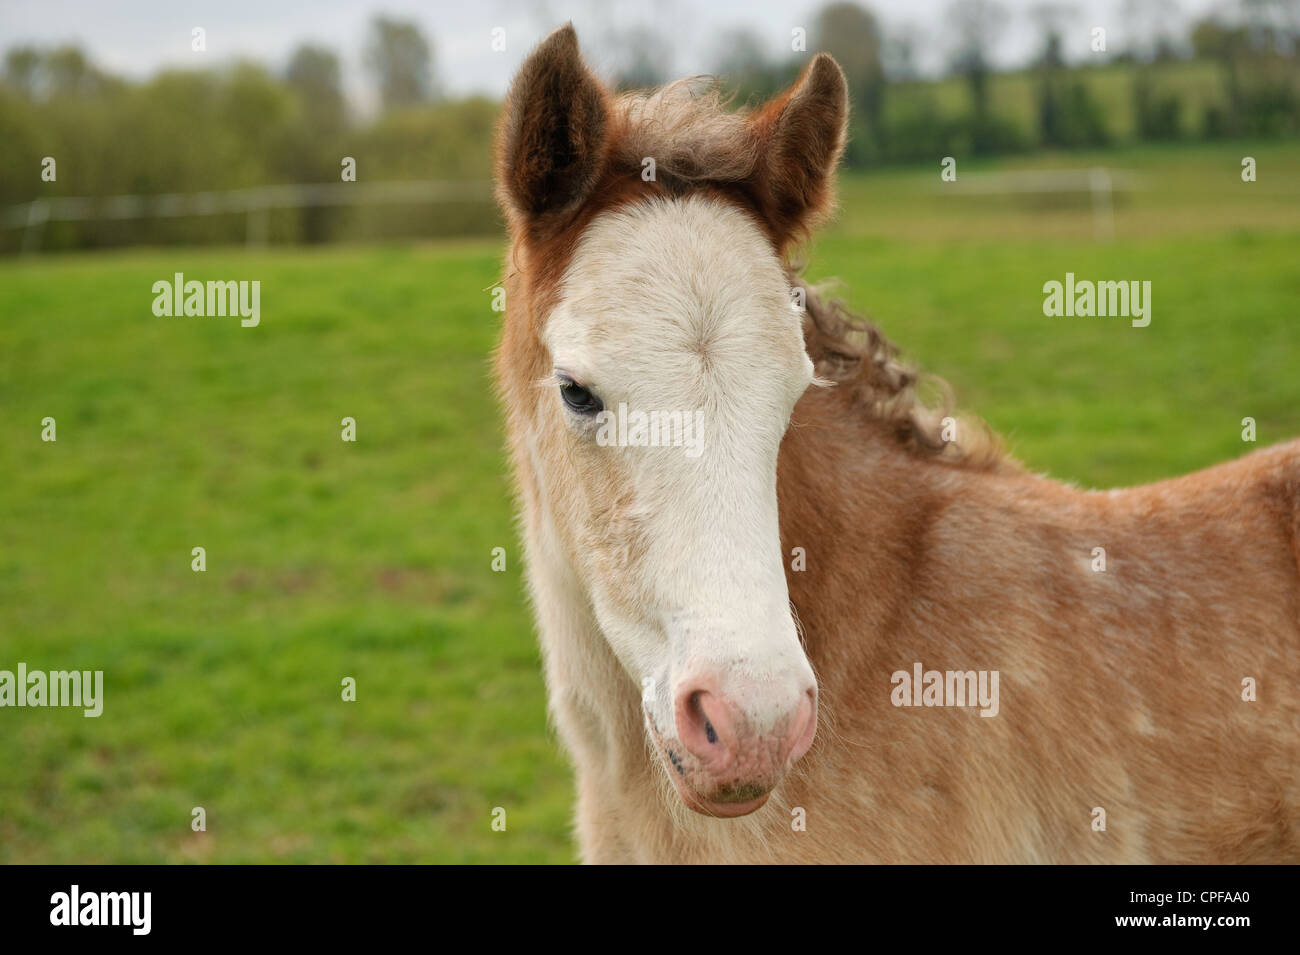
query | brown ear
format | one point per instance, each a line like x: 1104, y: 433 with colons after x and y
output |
x: 551, y: 143
x: 801, y: 136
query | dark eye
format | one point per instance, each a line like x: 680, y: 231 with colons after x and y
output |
x: 579, y: 398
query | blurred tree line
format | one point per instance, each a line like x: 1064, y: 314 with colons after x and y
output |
x: 247, y: 125
x: 1253, y: 48
x: 237, y: 127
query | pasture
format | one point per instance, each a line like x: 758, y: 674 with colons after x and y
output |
x: 372, y: 559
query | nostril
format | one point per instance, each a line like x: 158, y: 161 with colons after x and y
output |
x: 704, y: 726
x: 697, y: 711
x: 720, y: 734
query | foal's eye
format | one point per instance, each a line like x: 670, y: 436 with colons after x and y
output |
x: 579, y: 398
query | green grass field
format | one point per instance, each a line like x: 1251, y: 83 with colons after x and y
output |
x: 371, y: 560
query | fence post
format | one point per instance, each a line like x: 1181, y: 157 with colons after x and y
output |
x: 1103, y: 209
x: 38, y: 212
x: 259, y: 222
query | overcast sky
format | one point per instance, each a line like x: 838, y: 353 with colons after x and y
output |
x: 137, y: 37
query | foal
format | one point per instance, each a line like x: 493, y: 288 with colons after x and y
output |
x: 838, y: 631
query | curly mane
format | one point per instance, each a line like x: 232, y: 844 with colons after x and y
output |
x: 853, y: 353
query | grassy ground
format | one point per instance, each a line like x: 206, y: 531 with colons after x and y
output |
x: 1175, y: 191
x: 372, y: 560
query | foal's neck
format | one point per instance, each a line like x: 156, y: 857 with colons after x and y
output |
x: 860, y: 507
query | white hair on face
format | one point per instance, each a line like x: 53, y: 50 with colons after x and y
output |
x: 682, y: 304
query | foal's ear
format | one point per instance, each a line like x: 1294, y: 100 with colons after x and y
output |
x: 801, y: 136
x: 551, y: 143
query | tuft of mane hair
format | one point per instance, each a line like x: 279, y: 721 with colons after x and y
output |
x: 854, y: 354
x: 775, y: 156
x: 689, y: 129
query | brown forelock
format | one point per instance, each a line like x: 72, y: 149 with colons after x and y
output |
x: 543, y: 256
x: 760, y: 162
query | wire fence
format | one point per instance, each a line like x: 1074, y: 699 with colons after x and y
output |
x: 1099, y: 183
x: 256, y: 203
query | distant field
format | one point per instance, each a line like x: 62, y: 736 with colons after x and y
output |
x: 1197, y: 83
x: 1178, y: 190
x: 372, y: 560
